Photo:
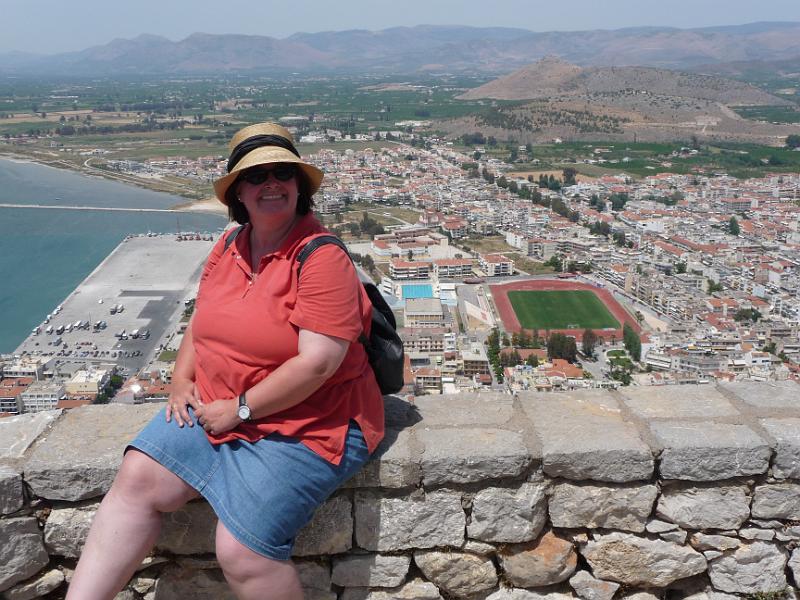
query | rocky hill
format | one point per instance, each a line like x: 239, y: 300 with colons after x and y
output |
x: 424, y: 48
x: 553, y: 77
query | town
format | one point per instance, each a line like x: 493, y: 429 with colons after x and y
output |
x: 702, y: 271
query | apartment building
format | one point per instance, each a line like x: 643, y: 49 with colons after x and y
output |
x: 88, y: 383
x: 42, y: 395
x: 406, y: 270
x: 452, y: 267
x: 496, y: 265
x: 423, y: 312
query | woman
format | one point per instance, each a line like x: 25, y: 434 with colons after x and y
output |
x: 273, y: 402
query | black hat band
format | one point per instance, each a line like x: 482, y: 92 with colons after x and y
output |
x: 259, y: 141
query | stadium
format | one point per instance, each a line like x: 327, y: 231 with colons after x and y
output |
x: 565, y: 306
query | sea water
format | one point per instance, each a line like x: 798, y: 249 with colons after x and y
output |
x: 46, y: 253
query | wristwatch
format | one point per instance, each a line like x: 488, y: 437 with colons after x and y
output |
x: 244, y: 410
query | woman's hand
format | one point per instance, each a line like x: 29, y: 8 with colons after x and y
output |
x: 184, y: 393
x: 218, y: 417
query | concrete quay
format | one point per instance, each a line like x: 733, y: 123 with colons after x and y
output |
x: 150, y: 277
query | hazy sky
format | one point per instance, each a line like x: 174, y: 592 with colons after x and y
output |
x: 49, y: 26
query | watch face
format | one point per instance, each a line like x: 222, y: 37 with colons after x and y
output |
x: 244, y: 413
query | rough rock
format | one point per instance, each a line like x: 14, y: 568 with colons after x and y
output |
x: 712, y: 554
x: 777, y: 501
x: 678, y: 537
x: 705, y: 506
x: 483, y: 409
x: 394, y: 464
x: 703, y: 541
x: 37, y: 587
x: 188, y: 584
x: 520, y: 594
x: 786, y: 432
x: 22, y: 551
x: 590, y: 588
x: 18, y: 433
x: 753, y: 568
x: 457, y: 573
x: 413, y: 590
x: 66, y: 529
x: 330, y: 530
x: 632, y: 560
x: 584, y: 436
x: 370, y: 570
x: 469, y: 455
x: 693, y: 402
x: 509, y: 515
x: 702, y: 451
x: 11, y: 496
x: 389, y: 524
x: 753, y: 533
x: 626, y: 507
x: 190, y: 530
x: 314, y: 575
x: 773, y: 394
x: 125, y: 595
x: 794, y: 564
x: 142, y: 585
x: 479, y: 548
x: 656, y: 526
x: 75, y: 466
x: 546, y: 561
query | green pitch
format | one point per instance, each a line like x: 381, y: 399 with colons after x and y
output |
x: 561, y: 309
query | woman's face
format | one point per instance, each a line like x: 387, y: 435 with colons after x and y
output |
x: 269, y: 193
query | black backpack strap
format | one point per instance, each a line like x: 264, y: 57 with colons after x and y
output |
x: 232, y: 236
x: 311, y: 246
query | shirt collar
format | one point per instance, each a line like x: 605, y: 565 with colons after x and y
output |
x: 305, y: 226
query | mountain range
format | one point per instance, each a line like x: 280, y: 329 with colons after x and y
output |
x: 420, y: 49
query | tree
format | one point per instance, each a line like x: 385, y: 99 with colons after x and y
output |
x: 562, y: 346
x: 733, y: 226
x: 632, y: 342
x: 569, y: 174
x: 714, y: 287
x: 532, y: 361
x: 588, y: 342
x: 747, y: 314
x: 793, y: 141
x: 680, y: 267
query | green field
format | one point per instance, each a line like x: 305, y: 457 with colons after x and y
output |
x: 565, y: 309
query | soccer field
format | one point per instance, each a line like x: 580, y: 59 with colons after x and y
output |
x: 562, y: 309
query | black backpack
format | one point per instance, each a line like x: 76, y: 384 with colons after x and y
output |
x: 384, y: 347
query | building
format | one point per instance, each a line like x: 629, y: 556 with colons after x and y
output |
x: 475, y: 361
x: 423, y: 312
x: 42, y: 395
x: 452, y: 267
x: 85, y: 383
x: 496, y: 265
x: 403, y: 270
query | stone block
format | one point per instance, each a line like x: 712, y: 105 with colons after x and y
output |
x: 387, y: 524
x: 457, y: 573
x: 18, y: 433
x: 37, y: 587
x: 330, y: 530
x: 635, y: 561
x: 75, y: 466
x: 710, y: 451
x: 547, y: 561
x: 658, y: 526
x: 520, y: 594
x: 579, y: 505
x: 22, y: 551
x: 370, y: 570
x: 703, y: 541
x: 768, y: 395
x: 585, y: 436
x: 190, y: 530
x: 786, y: 433
x: 590, y: 588
x: 705, y: 506
x: 66, y: 529
x: 314, y: 575
x: 662, y: 402
x: 753, y: 533
x: 470, y: 455
x: 11, y: 495
x: 416, y: 589
x: 794, y: 564
x: 777, y: 501
x: 394, y: 464
x: 509, y: 515
x: 176, y: 583
x: 751, y: 569
x: 481, y: 410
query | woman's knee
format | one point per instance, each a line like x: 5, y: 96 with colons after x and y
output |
x: 146, y: 482
x: 241, y: 563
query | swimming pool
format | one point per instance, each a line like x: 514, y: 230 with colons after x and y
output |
x: 417, y: 290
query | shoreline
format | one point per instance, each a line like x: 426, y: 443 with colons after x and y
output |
x: 206, y: 205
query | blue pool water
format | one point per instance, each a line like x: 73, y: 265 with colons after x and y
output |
x: 417, y: 290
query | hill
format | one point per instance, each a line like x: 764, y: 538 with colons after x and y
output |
x: 420, y: 49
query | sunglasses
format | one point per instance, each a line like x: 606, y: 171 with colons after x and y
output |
x: 258, y: 176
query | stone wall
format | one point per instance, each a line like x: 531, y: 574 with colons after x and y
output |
x: 677, y: 492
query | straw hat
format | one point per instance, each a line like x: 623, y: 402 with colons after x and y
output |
x: 262, y: 155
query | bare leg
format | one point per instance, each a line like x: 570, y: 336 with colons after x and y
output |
x: 253, y: 576
x: 126, y: 526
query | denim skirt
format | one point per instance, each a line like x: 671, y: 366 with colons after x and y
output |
x: 263, y: 492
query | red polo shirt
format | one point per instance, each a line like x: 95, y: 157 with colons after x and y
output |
x: 245, y: 327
